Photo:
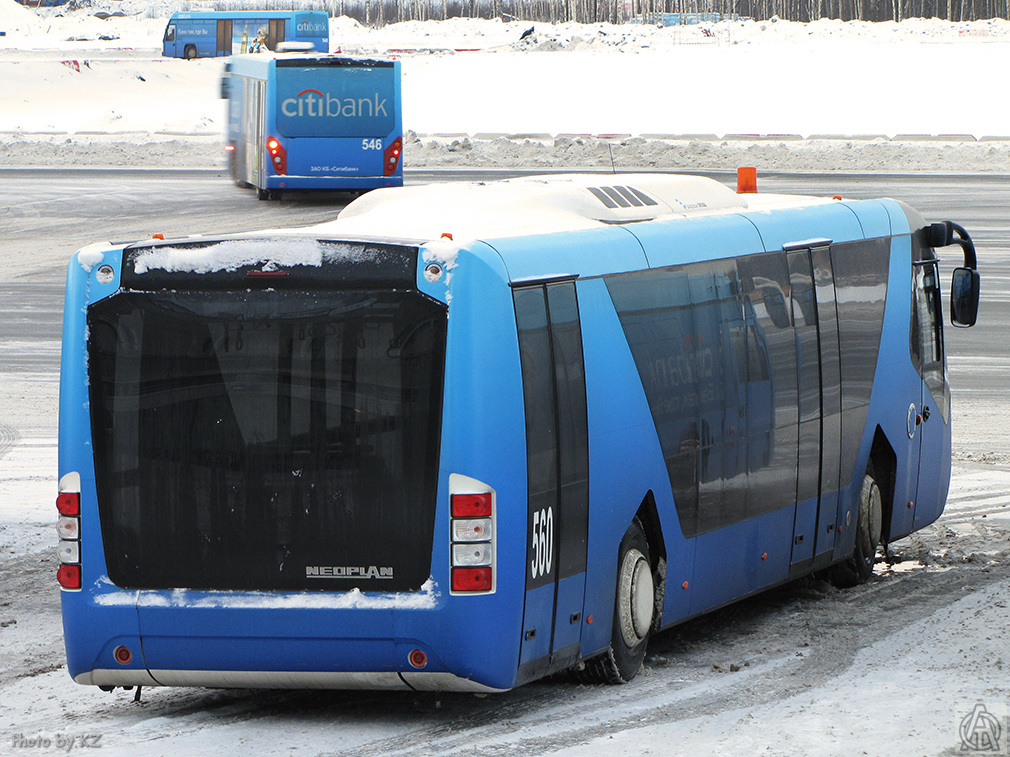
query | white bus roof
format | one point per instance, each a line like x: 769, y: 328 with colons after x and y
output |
x: 540, y: 204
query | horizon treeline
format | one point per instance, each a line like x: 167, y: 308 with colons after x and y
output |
x: 382, y: 12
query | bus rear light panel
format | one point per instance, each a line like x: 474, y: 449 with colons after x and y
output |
x: 278, y: 156
x: 68, y: 504
x: 472, y: 533
x: 391, y: 157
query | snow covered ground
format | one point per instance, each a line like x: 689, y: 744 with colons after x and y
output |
x: 78, y: 88
x: 892, y: 667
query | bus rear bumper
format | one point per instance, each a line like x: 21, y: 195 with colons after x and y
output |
x: 333, y: 183
x: 280, y: 679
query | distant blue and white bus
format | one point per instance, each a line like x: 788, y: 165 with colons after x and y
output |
x: 210, y: 34
x: 468, y: 435
x: 300, y: 121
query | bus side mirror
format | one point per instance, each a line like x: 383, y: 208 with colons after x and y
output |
x: 964, y: 292
x: 939, y: 234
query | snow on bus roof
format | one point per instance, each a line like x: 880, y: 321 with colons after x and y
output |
x: 538, y: 205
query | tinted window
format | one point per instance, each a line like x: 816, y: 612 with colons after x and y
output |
x: 716, y: 353
x: 243, y: 441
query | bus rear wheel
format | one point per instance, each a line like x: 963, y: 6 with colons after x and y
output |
x: 858, y: 568
x: 634, y: 608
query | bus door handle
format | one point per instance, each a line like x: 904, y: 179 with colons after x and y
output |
x: 925, y: 413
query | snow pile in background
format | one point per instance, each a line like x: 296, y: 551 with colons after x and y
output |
x: 16, y: 18
x: 82, y: 90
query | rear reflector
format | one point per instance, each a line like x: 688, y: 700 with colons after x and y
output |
x: 123, y: 655
x: 471, y: 505
x: 69, y: 576
x: 418, y: 658
x: 471, y: 579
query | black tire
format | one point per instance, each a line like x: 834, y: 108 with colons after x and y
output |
x: 190, y: 52
x: 858, y: 568
x: 634, y: 609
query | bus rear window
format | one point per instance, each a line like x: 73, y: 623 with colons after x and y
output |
x: 275, y: 440
x: 335, y: 101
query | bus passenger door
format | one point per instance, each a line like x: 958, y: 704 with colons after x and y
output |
x: 554, y: 388
x: 223, y: 36
x: 831, y: 399
x: 808, y: 379
x: 927, y: 425
x: 276, y: 35
x: 820, y: 419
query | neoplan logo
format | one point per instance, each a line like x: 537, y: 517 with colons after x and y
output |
x: 347, y: 571
x: 312, y: 103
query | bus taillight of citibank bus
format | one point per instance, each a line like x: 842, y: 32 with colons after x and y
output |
x: 392, y: 157
x: 278, y: 156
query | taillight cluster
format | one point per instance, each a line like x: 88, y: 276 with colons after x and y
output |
x: 391, y: 157
x: 472, y: 525
x: 278, y: 156
x: 68, y: 503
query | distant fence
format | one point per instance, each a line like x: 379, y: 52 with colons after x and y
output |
x: 382, y: 12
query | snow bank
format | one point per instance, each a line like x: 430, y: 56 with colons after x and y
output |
x: 16, y: 19
x: 88, y: 91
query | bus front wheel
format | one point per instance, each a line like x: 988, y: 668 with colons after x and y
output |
x: 634, y: 608
x: 190, y: 52
x: 858, y: 568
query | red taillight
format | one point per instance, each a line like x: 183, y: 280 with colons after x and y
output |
x: 278, y: 157
x: 391, y: 157
x: 418, y: 658
x: 123, y: 655
x: 69, y: 576
x: 471, y: 535
x: 471, y: 505
x: 68, y: 526
x: 69, y: 503
x: 471, y: 579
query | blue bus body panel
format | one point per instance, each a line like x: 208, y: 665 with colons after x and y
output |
x: 705, y: 238
x: 624, y: 457
x: 580, y: 253
x: 789, y: 226
x: 100, y: 617
x: 482, y: 343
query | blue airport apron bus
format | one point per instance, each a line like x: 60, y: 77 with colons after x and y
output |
x: 468, y: 435
x: 211, y: 34
x: 300, y: 121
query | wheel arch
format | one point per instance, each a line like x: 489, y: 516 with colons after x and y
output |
x: 648, y: 516
x: 885, y: 467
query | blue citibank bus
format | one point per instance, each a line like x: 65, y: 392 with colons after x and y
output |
x: 467, y: 435
x: 211, y: 34
x: 300, y: 121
